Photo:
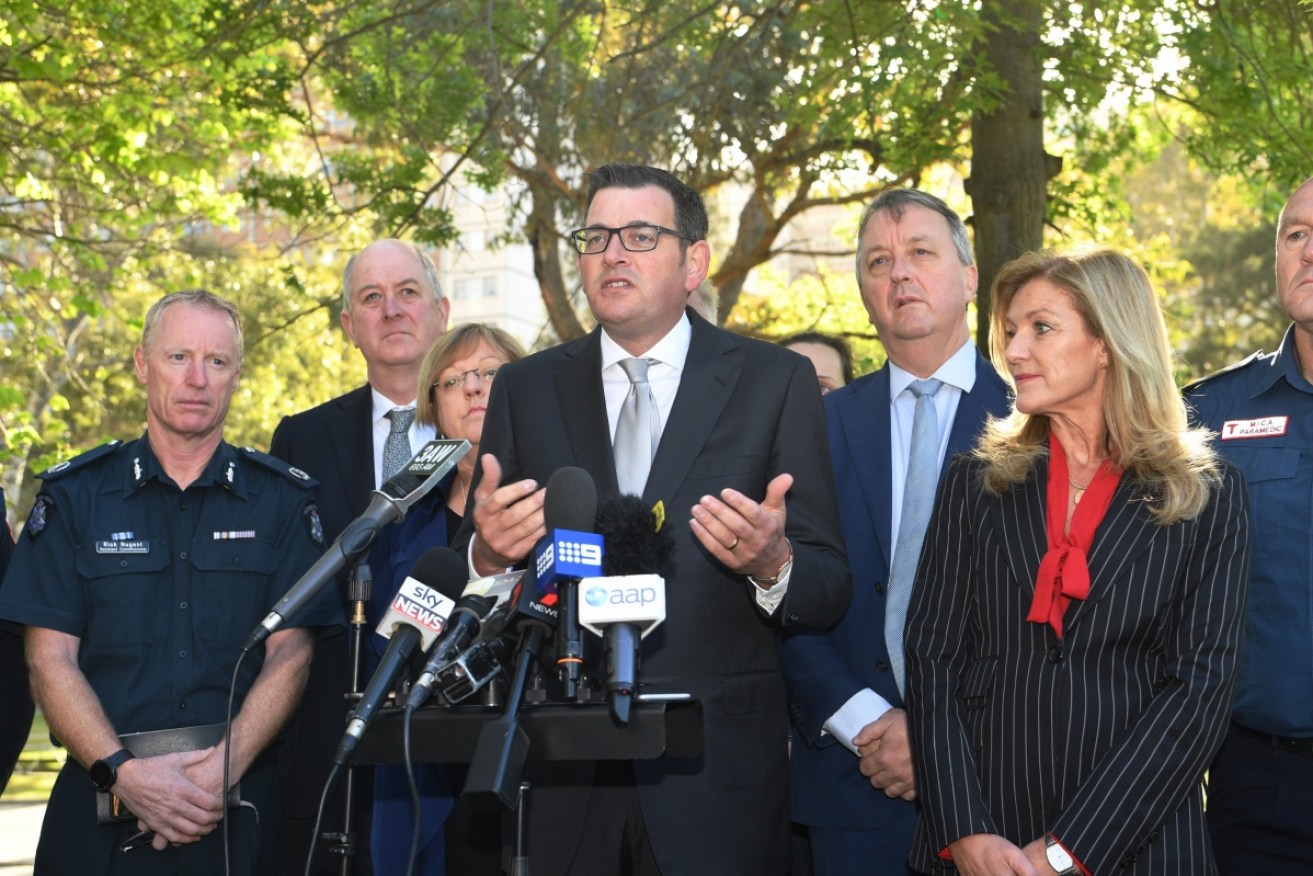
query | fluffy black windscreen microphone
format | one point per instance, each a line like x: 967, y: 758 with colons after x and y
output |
x: 634, y: 545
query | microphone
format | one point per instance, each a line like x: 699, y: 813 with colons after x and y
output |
x: 480, y: 598
x: 388, y: 504
x: 475, y: 667
x: 564, y: 555
x: 568, y: 552
x: 417, y: 615
x: 630, y: 601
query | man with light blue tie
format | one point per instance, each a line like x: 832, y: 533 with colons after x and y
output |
x: 890, y: 432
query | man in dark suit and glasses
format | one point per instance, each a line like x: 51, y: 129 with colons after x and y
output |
x: 393, y: 310
x: 737, y: 457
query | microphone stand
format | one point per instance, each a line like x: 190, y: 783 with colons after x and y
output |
x: 520, y: 849
x: 503, y: 746
x: 359, y: 589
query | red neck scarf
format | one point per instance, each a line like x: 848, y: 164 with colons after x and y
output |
x: 1064, y: 574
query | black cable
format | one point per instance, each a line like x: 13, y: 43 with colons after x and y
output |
x: 227, y: 754
x: 414, y: 790
x: 329, y: 785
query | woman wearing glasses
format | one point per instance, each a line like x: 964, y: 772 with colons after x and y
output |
x: 454, y: 381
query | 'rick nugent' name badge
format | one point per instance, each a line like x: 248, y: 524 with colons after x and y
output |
x: 123, y: 546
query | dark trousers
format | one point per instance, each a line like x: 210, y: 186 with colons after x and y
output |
x: 615, y: 835
x: 882, y: 851
x: 16, y: 707
x: 1259, y: 802
x: 72, y: 844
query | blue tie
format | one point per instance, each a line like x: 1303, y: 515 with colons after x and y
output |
x: 918, y: 499
x: 396, y: 449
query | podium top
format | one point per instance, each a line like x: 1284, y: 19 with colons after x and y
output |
x: 557, y: 732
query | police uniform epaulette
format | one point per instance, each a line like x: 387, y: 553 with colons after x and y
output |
x: 273, y: 463
x: 1234, y: 366
x: 60, y: 469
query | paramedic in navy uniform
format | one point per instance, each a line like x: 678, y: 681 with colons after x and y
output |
x: 1260, y: 788
x: 141, y: 570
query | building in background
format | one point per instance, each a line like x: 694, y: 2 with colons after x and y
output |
x: 488, y: 278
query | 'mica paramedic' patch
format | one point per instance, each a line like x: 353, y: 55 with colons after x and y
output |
x: 1263, y: 427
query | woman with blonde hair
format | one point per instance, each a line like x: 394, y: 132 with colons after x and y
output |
x: 1073, y: 635
x: 454, y: 380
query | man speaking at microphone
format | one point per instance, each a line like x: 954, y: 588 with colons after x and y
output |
x: 141, y: 570
x: 728, y: 434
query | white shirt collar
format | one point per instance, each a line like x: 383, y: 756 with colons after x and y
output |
x: 671, y: 350
x: 958, y: 371
x: 382, y: 404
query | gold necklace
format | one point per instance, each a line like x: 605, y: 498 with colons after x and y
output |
x: 460, y: 493
x: 1078, y: 490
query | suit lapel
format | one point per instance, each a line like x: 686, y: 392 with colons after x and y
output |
x: 972, y: 409
x: 579, y: 392
x: 863, y: 417
x: 355, y: 445
x: 1020, y: 526
x: 1125, y: 534
x: 709, y: 377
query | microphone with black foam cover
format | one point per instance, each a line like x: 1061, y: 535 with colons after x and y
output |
x: 416, y: 616
x: 629, y: 601
x: 480, y: 598
x: 388, y: 504
x: 569, y: 551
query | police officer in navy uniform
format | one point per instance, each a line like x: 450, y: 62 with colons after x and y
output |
x: 1260, y: 788
x: 15, y: 698
x: 140, y: 572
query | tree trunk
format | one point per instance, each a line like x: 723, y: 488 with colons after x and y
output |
x: 540, y: 229
x: 1009, y: 168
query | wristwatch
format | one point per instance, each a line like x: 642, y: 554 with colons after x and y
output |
x: 105, y: 772
x: 1059, y: 858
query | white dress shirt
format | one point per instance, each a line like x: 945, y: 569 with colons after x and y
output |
x: 419, y: 433
x: 958, y: 375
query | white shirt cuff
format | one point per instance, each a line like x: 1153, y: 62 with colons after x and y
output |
x: 769, y: 600
x: 861, y: 709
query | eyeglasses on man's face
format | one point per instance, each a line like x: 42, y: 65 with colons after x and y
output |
x: 456, y: 382
x: 635, y: 238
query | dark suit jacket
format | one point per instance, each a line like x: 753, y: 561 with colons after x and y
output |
x: 334, y: 444
x: 1102, y: 737
x: 745, y: 412
x: 825, y: 669
x: 16, y: 716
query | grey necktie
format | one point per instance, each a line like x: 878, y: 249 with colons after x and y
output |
x: 396, y: 450
x: 918, y: 498
x: 638, y: 430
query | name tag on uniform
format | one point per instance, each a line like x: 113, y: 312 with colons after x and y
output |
x: 125, y: 546
x: 1263, y: 427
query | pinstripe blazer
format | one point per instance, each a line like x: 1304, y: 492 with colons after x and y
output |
x: 1102, y: 737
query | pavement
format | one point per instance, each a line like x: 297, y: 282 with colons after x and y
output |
x: 20, y: 824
